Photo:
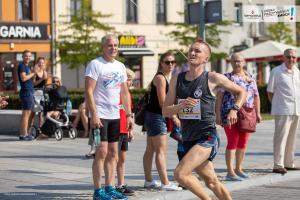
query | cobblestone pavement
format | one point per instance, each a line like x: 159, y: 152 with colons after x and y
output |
x: 58, y: 170
x: 280, y: 191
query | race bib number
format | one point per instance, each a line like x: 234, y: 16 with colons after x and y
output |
x: 190, y: 113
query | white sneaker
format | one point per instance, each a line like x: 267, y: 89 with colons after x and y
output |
x: 171, y: 187
x: 152, y: 184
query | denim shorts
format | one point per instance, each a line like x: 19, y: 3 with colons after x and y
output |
x: 155, y: 124
x: 27, y: 100
x: 210, y: 140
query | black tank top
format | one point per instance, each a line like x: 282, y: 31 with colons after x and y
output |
x: 41, y: 84
x: 193, y: 129
x: 153, y: 105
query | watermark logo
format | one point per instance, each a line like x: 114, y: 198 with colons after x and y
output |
x: 269, y: 13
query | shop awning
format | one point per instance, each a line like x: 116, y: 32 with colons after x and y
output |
x: 135, y: 52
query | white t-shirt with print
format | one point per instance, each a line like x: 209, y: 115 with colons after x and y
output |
x: 109, y: 76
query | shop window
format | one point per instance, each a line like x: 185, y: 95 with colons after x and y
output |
x: 161, y: 12
x: 25, y: 9
x: 237, y: 9
x: 75, y: 7
x: 131, y: 11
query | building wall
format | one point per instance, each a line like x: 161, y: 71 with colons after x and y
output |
x: 156, y: 35
x: 10, y: 48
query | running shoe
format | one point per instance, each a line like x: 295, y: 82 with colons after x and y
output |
x: 124, y: 189
x: 170, y: 187
x: 233, y: 178
x: 101, y: 195
x: 152, y: 184
x: 26, y: 138
x: 114, y: 194
x: 243, y: 175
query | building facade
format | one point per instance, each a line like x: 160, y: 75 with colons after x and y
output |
x: 144, y: 34
x: 24, y: 24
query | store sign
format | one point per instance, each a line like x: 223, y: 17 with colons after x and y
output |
x: 22, y: 31
x: 134, y: 41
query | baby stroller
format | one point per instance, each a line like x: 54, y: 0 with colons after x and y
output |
x: 56, y: 120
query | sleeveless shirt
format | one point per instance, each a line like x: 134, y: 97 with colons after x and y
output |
x: 153, y: 105
x: 194, y: 129
x: 41, y: 84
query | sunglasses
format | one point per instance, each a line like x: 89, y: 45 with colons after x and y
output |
x: 289, y: 57
x: 170, y: 62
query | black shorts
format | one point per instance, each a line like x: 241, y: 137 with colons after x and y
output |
x: 110, y: 131
x: 123, y: 142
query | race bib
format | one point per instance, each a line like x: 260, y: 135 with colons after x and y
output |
x: 190, y: 113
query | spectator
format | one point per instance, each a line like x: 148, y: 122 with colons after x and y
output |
x: 105, y: 82
x: 3, y: 101
x: 284, y: 94
x: 236, y: 140
x: 39, y: 82
x: 155, y: 125
x: 25, y: 76
x: 192, y: 96
x: 82, y: 114
x: 125, y: 137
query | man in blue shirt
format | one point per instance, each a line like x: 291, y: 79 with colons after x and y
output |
x: 26, y: 94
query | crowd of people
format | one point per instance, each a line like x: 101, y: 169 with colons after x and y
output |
x: 190, y: 103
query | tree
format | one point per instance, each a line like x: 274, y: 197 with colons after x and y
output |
x: 281, y: 32
x: 185, y: 34
x: 78, y: 44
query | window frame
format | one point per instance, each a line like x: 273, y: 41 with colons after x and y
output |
x: 131, y: 12
x: 161, y: 17
x: 20, y: 10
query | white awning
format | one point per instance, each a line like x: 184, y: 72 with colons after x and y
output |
x: 135, y: 51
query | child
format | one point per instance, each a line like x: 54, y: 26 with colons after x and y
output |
x: 125, y: 137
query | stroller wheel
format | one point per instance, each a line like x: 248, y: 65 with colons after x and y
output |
x: 73, y: 133
x: 58, y: 134
x: 32, y: 131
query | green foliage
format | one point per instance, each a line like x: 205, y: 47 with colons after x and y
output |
x: 78, y: 44
x: 77, y: 97
x: 185, y: 34
x: 265, y: 105
x: 281, y: 32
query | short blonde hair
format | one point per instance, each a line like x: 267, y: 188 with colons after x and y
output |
x: 130, y: 73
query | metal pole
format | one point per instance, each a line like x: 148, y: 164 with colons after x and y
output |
x: 202, y: 20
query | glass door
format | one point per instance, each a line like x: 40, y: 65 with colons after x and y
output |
x: 8, y: 76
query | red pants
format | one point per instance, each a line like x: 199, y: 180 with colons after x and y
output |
x: 235, y: 138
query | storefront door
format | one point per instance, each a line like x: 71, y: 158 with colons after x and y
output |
x: 8, y: 79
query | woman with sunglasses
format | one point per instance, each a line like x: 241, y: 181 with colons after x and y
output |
x: 156, y: 127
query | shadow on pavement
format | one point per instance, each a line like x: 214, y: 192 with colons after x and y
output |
x: 42, y: 196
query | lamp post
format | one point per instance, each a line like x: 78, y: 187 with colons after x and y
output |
x: 202, y: 20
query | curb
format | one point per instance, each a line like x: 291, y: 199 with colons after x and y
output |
x: 231, y: 186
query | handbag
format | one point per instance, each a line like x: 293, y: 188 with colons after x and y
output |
x: 246, y: 119
x: 140, y: 109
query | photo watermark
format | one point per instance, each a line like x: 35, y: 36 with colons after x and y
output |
x: 270, y: 13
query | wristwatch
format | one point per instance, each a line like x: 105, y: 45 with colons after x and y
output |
x: 235, y: 107
x: 129, y: 115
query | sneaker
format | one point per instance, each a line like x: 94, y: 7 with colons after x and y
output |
x: 26, y: 138
x: 152, y: 184
x: 233, y: 178
x: 243, y: 175
x: 124, y: 189
x: 101, y: 195
x: 170, y: 187
x: 114, y: 194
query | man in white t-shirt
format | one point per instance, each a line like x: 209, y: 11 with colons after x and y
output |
x: 105, y: 82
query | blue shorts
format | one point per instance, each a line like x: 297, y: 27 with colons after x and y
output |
x: 155, y: 124
x: 211, y: 140
x: 26, y: 100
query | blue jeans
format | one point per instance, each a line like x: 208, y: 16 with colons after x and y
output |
x: 155, y: 124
